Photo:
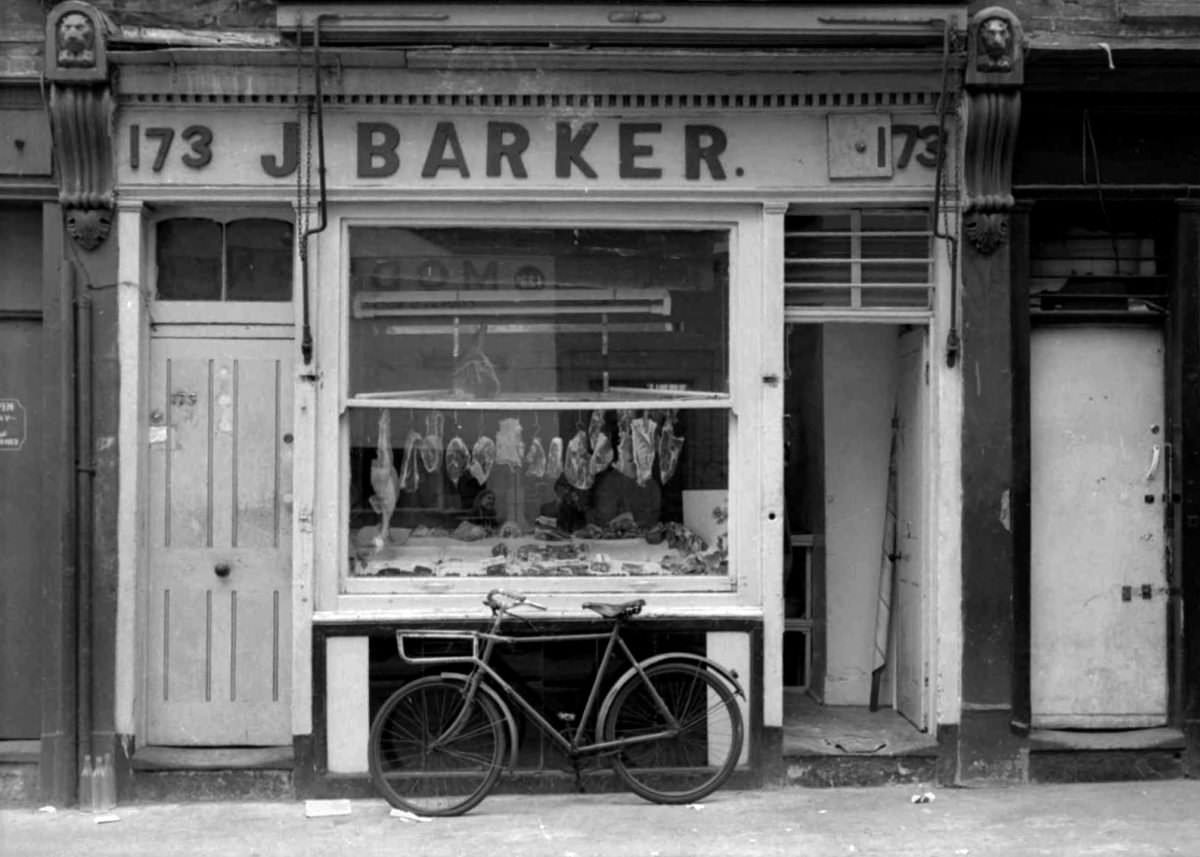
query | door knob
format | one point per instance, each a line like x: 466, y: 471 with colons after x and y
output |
x: 222, y: 569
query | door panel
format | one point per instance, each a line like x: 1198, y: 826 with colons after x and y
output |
x: 25, y: 478
x: 220, y: 530
x: 1097, y: 434
x: 911, y: 475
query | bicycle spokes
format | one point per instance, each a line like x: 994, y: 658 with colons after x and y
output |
x: 433, y: 751
x: 690, y: 757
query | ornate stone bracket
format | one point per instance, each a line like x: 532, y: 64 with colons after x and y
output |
x: 81, y: 118
x: 995, y: 73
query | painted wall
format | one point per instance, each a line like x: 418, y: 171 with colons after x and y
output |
x: 859, y: 389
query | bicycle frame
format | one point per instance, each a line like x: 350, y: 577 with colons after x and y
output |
x: 481, y: 667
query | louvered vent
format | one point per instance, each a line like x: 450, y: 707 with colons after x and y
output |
x: 858, y: 262
x: 1083, y: 271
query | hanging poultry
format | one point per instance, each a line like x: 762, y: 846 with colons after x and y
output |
x: 384, y: 480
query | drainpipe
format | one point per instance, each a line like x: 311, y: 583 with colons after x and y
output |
x: 85, y: 469
x: 306, y: 339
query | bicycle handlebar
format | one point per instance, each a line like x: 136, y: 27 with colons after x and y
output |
x: 502, y: 601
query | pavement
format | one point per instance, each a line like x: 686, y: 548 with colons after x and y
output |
x: 1141, y: 818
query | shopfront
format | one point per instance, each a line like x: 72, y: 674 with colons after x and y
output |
x: 437, y: 332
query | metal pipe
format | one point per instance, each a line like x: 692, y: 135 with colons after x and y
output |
x: 67, y: 756
x: 306, y: 339
x: 953, y: 341
x: 84, y: 476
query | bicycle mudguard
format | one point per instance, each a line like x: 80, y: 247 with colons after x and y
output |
x: 667, y: 657
x: 513, y: 738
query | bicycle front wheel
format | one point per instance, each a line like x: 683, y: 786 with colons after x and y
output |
x: 419, y: 765
x: 695, y: 761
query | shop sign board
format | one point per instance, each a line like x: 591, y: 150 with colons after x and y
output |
x: 12, y: 425
x: 368, y: 150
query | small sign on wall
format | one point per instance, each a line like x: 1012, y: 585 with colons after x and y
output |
x: 12, y: 425
x: 860, y: 145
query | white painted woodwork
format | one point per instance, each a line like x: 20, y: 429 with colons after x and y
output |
x: 347, y: 709
x: 908, y: 657
x: 772, y: 501
x: 133, y: 349
x: 731, y: 649
x: 943, y: 629
x: 1097, y: 417
x: 219, y: 648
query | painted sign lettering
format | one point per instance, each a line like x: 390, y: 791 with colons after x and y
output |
x: 377, y: 149
x: 12, y: 425
x: 198, y: 140
x: 507, y: 144
x: 932, y: 140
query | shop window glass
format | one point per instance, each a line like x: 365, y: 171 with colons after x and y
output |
x: 858, y: 259
x: 258, y: 256
x: 206, y: 260
x: 538, y: 402
x: 189, y: 260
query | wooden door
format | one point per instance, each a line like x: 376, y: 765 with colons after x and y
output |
x: 220, y: 542
x: 28, y: 483
x: 32, y: 471
x: 1098, y: 611
x: 909, y: 611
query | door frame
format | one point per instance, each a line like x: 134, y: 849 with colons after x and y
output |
x: 138, y: 319
x: 931, y: 414
x: 1182, y: 353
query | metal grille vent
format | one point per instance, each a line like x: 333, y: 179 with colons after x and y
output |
x: 857, y: 262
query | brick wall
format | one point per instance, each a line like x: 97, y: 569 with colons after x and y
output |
x: 195, y: 14
x: 1050, y: 22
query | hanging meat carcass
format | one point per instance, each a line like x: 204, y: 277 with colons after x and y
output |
x: 576, y: 462
x: 669, y: 448
x: 431, y: 444
x: 625, y: 464
x: 602, y: 454
x: 483, y: 458
x: 535, y: 458
x: 510, y: 447
x: 385, y: 482
x: 458, y: 458
x: 595, y: 429
x: 410, y: 475
x: 554, y: 458
x: 643, y: 448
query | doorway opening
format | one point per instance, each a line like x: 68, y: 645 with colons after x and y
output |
x: 856, y: 404
x: 1104, y: 433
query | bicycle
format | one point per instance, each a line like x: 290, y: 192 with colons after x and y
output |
x: 669, y: 723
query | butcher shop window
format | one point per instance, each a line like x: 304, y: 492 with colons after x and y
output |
x: 537, y: 402
x: 857, y: 262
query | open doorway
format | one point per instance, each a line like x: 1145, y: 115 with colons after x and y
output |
x: 855, y: 590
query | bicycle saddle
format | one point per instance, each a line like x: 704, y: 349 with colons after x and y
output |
x: 617, y: 611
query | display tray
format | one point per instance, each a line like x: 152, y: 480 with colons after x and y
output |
x: 525, y: 557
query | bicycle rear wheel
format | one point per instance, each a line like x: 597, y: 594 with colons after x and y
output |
x: 691, y: 764
x: 417, y: 767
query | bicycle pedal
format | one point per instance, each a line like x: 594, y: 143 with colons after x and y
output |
x: 566, y: 716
